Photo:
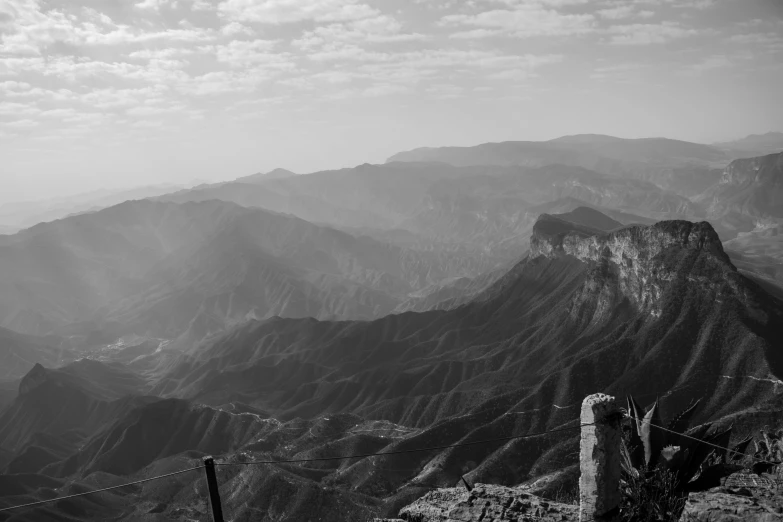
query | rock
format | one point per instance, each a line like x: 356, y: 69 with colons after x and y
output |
x: 730, y: 505
x: 487, y: 503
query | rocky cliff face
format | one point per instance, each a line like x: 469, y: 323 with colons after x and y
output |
x: 641, y: 259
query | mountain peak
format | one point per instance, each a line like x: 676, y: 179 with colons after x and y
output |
x: 642, y: 259
x: 552, y: 236
x: 34, y: 378
x: 261, y: 177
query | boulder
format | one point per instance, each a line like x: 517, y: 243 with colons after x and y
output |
x: 487, y: 503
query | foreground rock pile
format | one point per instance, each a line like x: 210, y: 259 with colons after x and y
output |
x: 486, y: 503
x: 743, y: 497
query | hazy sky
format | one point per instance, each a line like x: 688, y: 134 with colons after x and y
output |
x: 105, y: 93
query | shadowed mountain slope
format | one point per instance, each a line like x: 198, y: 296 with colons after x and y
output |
x: 158, y: 430
x: 648, y: 310
x: 77, y: 399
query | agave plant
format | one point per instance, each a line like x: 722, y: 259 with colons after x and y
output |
x: 769, y: 451
x: 696, y: 458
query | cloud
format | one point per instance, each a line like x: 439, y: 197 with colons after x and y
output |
x: 30, y: 29
x: 384, y: 89
x: 646, y: 34
x: 476, y: 34
x: 623, y: 11
x: 711, y: 62
x: 525, y: 20
x: 379, y: 29
x: 242, y: 53
x: 768, y: 40
x: 291, y: 11
x: 445, y: 91
x: 21, y: 124
x: 618, y: 73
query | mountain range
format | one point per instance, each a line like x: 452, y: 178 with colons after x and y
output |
x: 448, y: 296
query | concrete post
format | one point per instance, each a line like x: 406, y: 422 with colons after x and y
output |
x: 599, y: 459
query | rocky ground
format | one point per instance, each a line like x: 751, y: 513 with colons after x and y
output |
x: 742, y: 497
x: 486, y: 503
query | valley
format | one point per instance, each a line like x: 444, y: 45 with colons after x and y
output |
x: 450, y: 309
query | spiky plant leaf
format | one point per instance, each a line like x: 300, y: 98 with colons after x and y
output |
x: 636, y: 413
x: 680, y: 423
x: 711, y: 476
x: 626, y: 462
x: 697, y: 451
x: 720, y: 439
x: 739, y: 449
x: 636, y: 447
x: 653, y: 437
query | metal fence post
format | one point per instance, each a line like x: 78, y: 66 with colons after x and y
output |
x: 214, y: 492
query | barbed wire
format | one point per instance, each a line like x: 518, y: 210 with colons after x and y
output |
x: 399, y: 452
x: 726, y: 449
x: 41, y: 502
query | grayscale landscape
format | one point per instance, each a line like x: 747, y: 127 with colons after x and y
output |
x: 465, y: 218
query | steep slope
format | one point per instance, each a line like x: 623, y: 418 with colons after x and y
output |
x: 158, y: 430
x: 648, y: 310
x: 73, y: 401
x: 161, y: 269
x: 644, y: 310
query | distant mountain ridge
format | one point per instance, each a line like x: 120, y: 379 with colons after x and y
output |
x: 670, y: 164
x: 163, y: 269
x: 754, y: 144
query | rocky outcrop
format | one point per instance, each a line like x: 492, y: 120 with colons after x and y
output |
x: 733, y: 505
x: 486, y: 503
x: 642, y: 258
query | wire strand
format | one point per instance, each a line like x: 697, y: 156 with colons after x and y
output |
x: 398, y: 452
x: 40, y: 502
x: 697, y: 440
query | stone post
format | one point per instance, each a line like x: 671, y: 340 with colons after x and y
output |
x: 599, y: 459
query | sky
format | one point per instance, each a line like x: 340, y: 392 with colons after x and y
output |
x: 118, y: 93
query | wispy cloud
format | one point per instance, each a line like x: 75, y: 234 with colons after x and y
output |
x: 524, y: 20
x: 647, y: 34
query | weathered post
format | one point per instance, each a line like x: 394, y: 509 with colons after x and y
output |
x: 599, y: 459
x: 214, y: 492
